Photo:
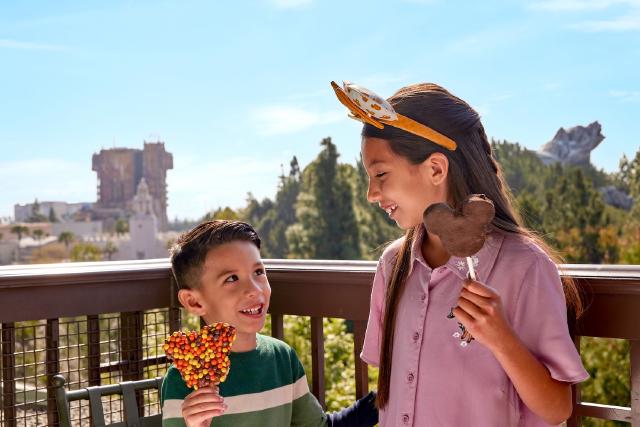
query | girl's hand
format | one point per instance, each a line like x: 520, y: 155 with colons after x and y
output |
x: 199, y: 407
x: 479, y: 309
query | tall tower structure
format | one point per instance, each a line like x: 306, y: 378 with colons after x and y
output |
x: 120, y: 171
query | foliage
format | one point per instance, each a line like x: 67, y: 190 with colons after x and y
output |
x: 20, y: 231
x: 222, y: 213
x: 608, y: 363
x: 36, y: 215
x: 38, y: 234
x: 121, y: 226
x: 326, y: 224
x: 109, y: 249
x: 86, y: 252
x: 67, y: 238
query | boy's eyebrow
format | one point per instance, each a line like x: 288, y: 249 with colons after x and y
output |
x: 224, y: 273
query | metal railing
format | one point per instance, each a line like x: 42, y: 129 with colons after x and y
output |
x: 112, y: 303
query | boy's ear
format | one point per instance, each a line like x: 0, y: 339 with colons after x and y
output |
x: 190, y: 300
x: 437, y: 168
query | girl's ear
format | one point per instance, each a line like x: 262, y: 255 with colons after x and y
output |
x: 437, y: 168
x: 190, y: 300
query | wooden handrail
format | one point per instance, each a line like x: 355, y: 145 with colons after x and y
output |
x: 317, y: 289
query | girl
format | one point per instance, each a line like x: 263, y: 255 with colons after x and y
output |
x: 519, y: 369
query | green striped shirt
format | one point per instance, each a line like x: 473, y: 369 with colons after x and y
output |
x: 265, y: 387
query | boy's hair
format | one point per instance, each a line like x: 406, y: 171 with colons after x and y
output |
x: 189, y: 252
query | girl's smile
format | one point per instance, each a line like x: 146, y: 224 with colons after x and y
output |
x: 402, y: 189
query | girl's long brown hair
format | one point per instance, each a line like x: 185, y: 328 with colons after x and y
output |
x: 472, y: 169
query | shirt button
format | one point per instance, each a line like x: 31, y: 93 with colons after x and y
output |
x: 410, y: 377
x: 423, y: 297
x: 416, y: 335
x: 405, y: 418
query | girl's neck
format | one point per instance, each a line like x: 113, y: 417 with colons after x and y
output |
x: 433, y: 250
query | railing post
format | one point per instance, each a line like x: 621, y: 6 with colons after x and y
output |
x: 93, y: 335
x: 8, y: 374
x: 277, y: 326
x: 362, y: 373
x: 634, y: 346
x: 317, y: 359
x: 131, y: 328
x: 175, y: 321
x: 575, y: 419
x: 52, y: 367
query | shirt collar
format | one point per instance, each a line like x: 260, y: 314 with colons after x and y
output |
x: 483, y: 261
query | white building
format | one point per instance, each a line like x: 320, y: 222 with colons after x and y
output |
x: 143, y: 230
x: 62, y: 210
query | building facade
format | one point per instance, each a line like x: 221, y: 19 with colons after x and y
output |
x: 120, y: 171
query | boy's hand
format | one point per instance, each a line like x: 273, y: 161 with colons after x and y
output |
x: 199, y: 407
x: 480, y: 311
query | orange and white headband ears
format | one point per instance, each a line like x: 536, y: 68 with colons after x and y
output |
x: 370, y: 108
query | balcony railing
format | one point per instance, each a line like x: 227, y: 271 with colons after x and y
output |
x: 98, y: 323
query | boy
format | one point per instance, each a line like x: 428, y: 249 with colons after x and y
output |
x: 218, y: 268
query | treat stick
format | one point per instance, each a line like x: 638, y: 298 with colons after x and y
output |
x: 463, y: 234
x: 472, y: 271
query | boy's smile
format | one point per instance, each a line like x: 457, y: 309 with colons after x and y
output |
x: 233, y: 289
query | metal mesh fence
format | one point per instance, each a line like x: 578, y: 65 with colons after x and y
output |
x: 87, y: 351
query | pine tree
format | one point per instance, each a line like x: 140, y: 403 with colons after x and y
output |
x: 326, y: 226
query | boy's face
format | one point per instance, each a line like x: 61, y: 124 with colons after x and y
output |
x: 233, y: 289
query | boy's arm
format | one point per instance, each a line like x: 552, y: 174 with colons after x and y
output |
x: 363, y: 413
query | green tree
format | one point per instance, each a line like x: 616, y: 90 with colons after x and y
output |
x: 222, y: 213
x: 66, y: 237
x: 38, y: 234
x: 86, y: 252
x: 109, y: 249
x: 326, y: 226
x: 36, y: 215
x: 20, y: 231
x: 52, y: 215
x: 121, y: 226
x: 272, y: 219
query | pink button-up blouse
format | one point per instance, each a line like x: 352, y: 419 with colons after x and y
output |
x: 437, y: 382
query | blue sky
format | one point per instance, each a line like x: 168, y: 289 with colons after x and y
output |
x: 235, y: 89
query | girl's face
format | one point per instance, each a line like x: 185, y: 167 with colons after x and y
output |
x: 402, y: 189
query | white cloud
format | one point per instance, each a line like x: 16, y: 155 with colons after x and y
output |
x: 291, y: 4
x: 626, y: 95
x: 490, y: 39
x: 427, y: 2
x: 628, y: 22
x: 578, y: 5
x: 278, y: 120
x: 14, y: 44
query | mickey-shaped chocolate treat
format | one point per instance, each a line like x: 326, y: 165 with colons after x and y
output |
x: 462, y: 233
x: 202, y: 357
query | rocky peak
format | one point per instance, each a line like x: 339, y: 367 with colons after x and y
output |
x: 572, y: 146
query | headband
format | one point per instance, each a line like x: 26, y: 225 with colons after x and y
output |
x: 370, y: 108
